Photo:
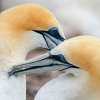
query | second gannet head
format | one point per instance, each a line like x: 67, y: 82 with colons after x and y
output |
x: 81, y: 80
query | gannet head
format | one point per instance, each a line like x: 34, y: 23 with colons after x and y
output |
x: 36, y: 19
x: 81, y: 52
x: 27, y: 27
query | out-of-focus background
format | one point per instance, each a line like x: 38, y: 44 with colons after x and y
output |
x: 77, y: 17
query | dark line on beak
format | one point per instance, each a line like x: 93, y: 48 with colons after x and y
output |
x: 34, y: 62
x: 71, y: 66
x: 52, y: 39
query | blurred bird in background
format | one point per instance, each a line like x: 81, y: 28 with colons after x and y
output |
x: 77, y: 17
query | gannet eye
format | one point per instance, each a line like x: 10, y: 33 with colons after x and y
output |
x: 62, y: 58
x: 53, y: 31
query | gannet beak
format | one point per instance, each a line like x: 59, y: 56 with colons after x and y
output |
x: 43, y: 63
x: 52, y: 37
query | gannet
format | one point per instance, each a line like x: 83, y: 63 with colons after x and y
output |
x: 22, y: 29
x: 81, y: 58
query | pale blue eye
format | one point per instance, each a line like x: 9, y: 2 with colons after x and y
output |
x: 62, y: 58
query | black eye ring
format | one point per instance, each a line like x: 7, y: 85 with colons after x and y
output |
x: 62, y: 58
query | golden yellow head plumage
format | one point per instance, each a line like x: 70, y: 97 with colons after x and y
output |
x: 83, y: 51
x: 30, y: 17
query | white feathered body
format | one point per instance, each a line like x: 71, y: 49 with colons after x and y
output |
x: 72, y: 85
